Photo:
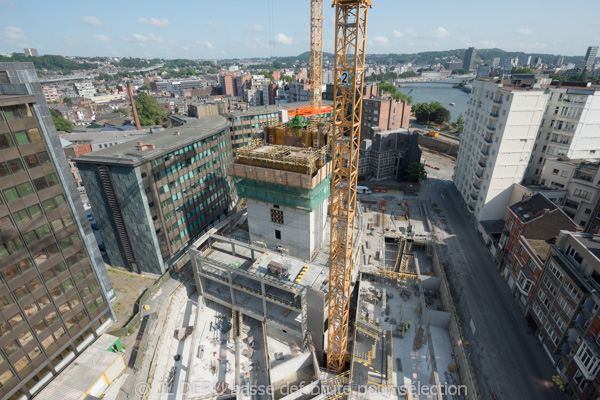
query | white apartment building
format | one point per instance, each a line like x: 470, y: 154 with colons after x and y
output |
x: 501, y: 125
x: 580, y: 179
x: 85, y: 89
x: 570, y: 127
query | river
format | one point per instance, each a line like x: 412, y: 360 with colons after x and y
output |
x: 426, y: 92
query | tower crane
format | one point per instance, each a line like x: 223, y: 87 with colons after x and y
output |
x: 350, y: 35
x: 316, y: 53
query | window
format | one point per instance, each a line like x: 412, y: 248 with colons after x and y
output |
x: 587, y: 359
x: 555, y: 271
x: 277, y: 234
x: 6, y: 141
x: 277, y: 216
x: 571, y: 291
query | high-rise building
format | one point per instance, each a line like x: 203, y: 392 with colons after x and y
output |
x: 590, y: 57
x: 560, y: 60
x: 527, y: 61
x: 227, y: 83
x: 501, y: 125
x: 496, y: 62
x: 384, y: 113
x: 469, y: 59
x: 154, y: 198
x: 54, y: 288
x: 569, y: 127
x: 29, y: 51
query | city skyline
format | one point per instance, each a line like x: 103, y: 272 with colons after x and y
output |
x: 263, y: 29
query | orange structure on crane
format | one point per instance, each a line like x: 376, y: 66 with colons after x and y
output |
x: 350, y: 36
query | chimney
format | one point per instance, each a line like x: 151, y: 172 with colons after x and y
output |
x: 135, y: 114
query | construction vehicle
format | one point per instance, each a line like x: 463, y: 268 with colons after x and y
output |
x: 350, y: 36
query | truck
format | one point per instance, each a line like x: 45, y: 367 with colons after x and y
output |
x: 363, y: 190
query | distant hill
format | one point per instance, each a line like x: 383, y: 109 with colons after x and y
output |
x: 483, y: 56
x: 50, y: 62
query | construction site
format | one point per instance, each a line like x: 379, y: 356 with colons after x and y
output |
x: 315, y: 291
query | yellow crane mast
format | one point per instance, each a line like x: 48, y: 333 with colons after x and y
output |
x: 350, y: 35
x: 316, y: 52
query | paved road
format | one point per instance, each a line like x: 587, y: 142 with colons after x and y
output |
x: 509, y: 359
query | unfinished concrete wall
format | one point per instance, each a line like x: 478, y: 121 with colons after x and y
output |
x: 438, y: 318
x: 293, y: 365
x: 438, y: 145
x: 431, y: 282
x: 461, y: 355
x: 301, y: 232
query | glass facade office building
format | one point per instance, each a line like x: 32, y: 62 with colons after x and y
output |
x: 153, y: 197
x: 54, y: 288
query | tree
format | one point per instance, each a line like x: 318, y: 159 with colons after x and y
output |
x: 415, y: 172
x: 145, y: 87
x: 460, y: 71
x: 425, y: 111
x: 106, y: 87
x: 211, y: 71
x: 441, y: 115
x: 60, y: 123
x: 176, y: 110
x: 460, y: 120
x: 524, y: 70
x: 67, y: 100
x: 149, y: 111
x: 287, y: 78
x: 119, y: 111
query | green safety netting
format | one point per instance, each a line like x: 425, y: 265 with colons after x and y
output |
x: 305, y: 199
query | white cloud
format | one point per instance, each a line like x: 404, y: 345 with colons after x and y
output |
x: 526, y: 32
x: 101, y: 38
x: 256, y: 28
x: 12, y: 34
x: 93, y: 21
x: 214, y: 25
x: 155, y: 22
x: 397, y: 34
x: 208, y: 45
x: 283, y: 39
x: 381, y: 40
x: 7, y: 3
x: 150, y: 38
x: 440, y: 32
x: 185, y: 48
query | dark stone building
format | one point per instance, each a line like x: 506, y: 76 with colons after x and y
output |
x: 54, y: 288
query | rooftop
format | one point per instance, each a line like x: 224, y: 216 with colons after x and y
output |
x: 164, y: 142
x: 528, y: 210
x: 541, y: 247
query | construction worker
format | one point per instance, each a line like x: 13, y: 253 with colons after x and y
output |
x: 409, y: 324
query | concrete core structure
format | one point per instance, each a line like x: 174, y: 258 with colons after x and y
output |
x: 287, y: 196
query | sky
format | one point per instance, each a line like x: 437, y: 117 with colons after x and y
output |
x: 203, y: 29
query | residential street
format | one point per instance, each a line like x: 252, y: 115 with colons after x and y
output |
x: 509, y: 360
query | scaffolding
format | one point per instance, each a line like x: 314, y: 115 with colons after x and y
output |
x: 307, y: 161
x: 299, y: 132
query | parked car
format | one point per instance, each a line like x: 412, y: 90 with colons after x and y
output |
x: 95, y: 226
x: 410, y: 193
x: 90, y: 216
x: 102, y: 247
